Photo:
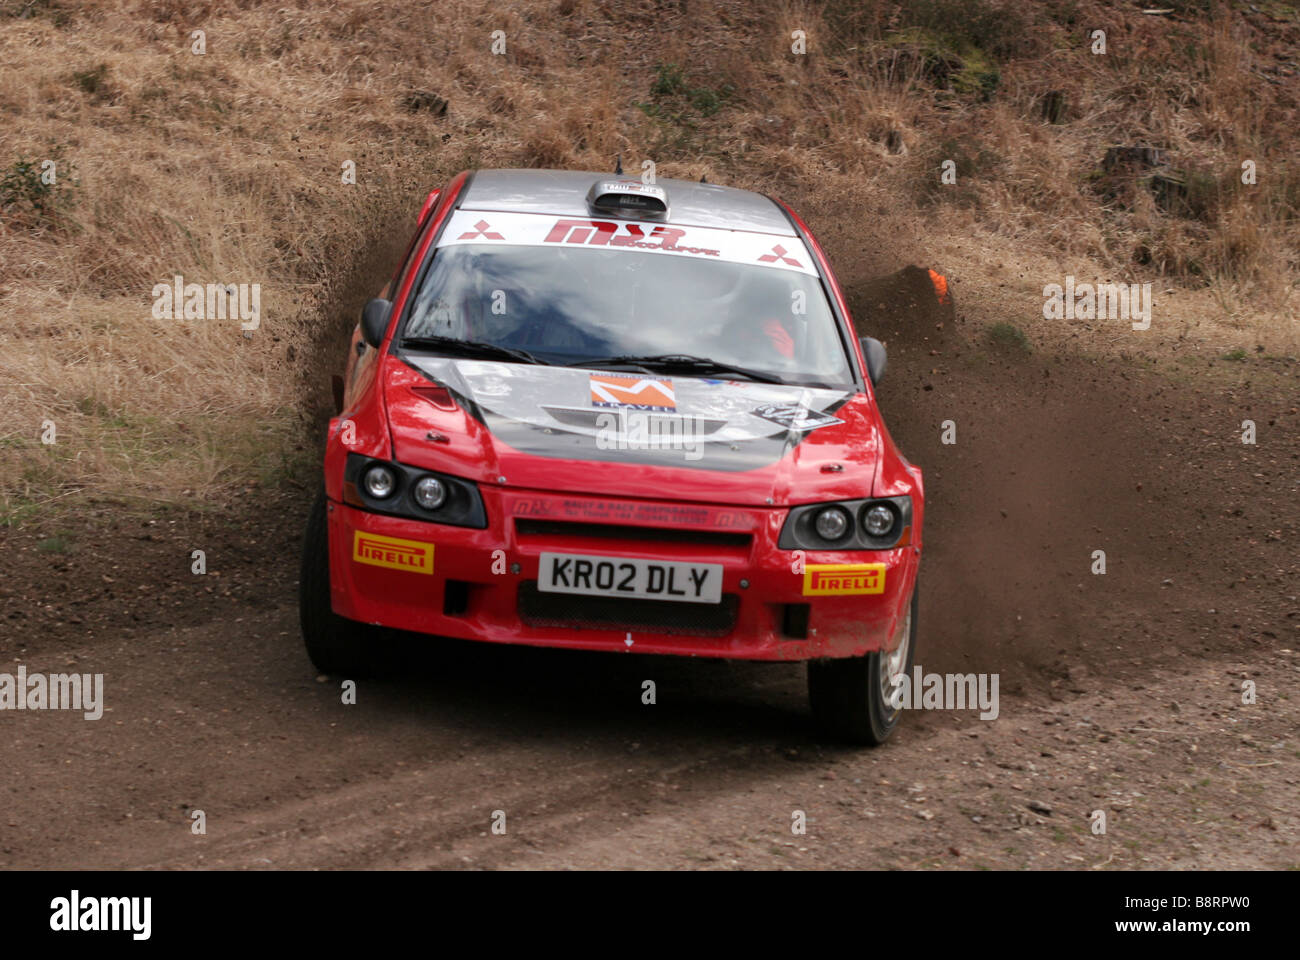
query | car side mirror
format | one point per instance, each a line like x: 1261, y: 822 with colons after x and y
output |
x: 874, y: 352
x: 374, y: 321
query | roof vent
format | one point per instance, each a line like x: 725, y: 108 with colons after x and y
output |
x: 628, y: 198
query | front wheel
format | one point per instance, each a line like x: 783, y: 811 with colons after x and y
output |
x: 850, y: 697
x: 336, y: 645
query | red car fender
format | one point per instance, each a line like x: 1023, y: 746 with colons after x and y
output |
x: 362, y: 427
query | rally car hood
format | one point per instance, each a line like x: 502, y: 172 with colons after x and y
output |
x: 615, y: 433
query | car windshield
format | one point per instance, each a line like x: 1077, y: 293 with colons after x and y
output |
x: 574, y: 306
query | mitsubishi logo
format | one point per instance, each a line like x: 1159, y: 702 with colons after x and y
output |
x: 481, y: 230
x: 779, y: 253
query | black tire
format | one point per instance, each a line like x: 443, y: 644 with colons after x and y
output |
x: 337, y: 646
x: 848, y: 699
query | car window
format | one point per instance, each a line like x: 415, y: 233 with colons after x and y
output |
x: 565, y: 305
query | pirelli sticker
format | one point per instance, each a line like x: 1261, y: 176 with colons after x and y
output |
x: 409, y: 555
x: 843, y: 579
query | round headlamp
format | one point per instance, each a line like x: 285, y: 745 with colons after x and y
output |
x: 430, y: 493
x: 878, y: 520
x: 832, y: 523
x: 379, y: 482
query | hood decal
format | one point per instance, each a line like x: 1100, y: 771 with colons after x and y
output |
x: 578, y: 413
x: 639, y: 393
x: 795, y: 416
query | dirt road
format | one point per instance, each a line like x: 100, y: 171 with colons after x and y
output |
x: 1120, y: 693
x: 223, y: 718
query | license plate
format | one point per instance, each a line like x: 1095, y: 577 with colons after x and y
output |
x: 624, y: 577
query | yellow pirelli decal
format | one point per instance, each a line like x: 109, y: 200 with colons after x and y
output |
x: 843, y: 579
x: 410, y: 555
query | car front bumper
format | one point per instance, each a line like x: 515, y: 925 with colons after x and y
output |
x: 482, y: 584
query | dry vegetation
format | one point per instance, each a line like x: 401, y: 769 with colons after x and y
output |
x: 226, y: 168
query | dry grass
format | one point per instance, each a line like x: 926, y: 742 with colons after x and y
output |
x: 226, y: 168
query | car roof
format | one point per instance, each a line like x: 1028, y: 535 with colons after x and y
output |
x: 564, y: 192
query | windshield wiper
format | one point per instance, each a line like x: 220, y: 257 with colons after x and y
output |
x: 475, y: 348
x: 665, y: 362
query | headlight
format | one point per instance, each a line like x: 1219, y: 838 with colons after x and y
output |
x: 430, y: 493
x: 878, y: 520
x: 832, y: 523
x: 880, y: 523
x: 380, y: 482
x: 382, y: 486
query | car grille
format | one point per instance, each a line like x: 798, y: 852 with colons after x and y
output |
x: 623, y: 531
x: 538, y: 609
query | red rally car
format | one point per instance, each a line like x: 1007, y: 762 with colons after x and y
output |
x: 600, y: 414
